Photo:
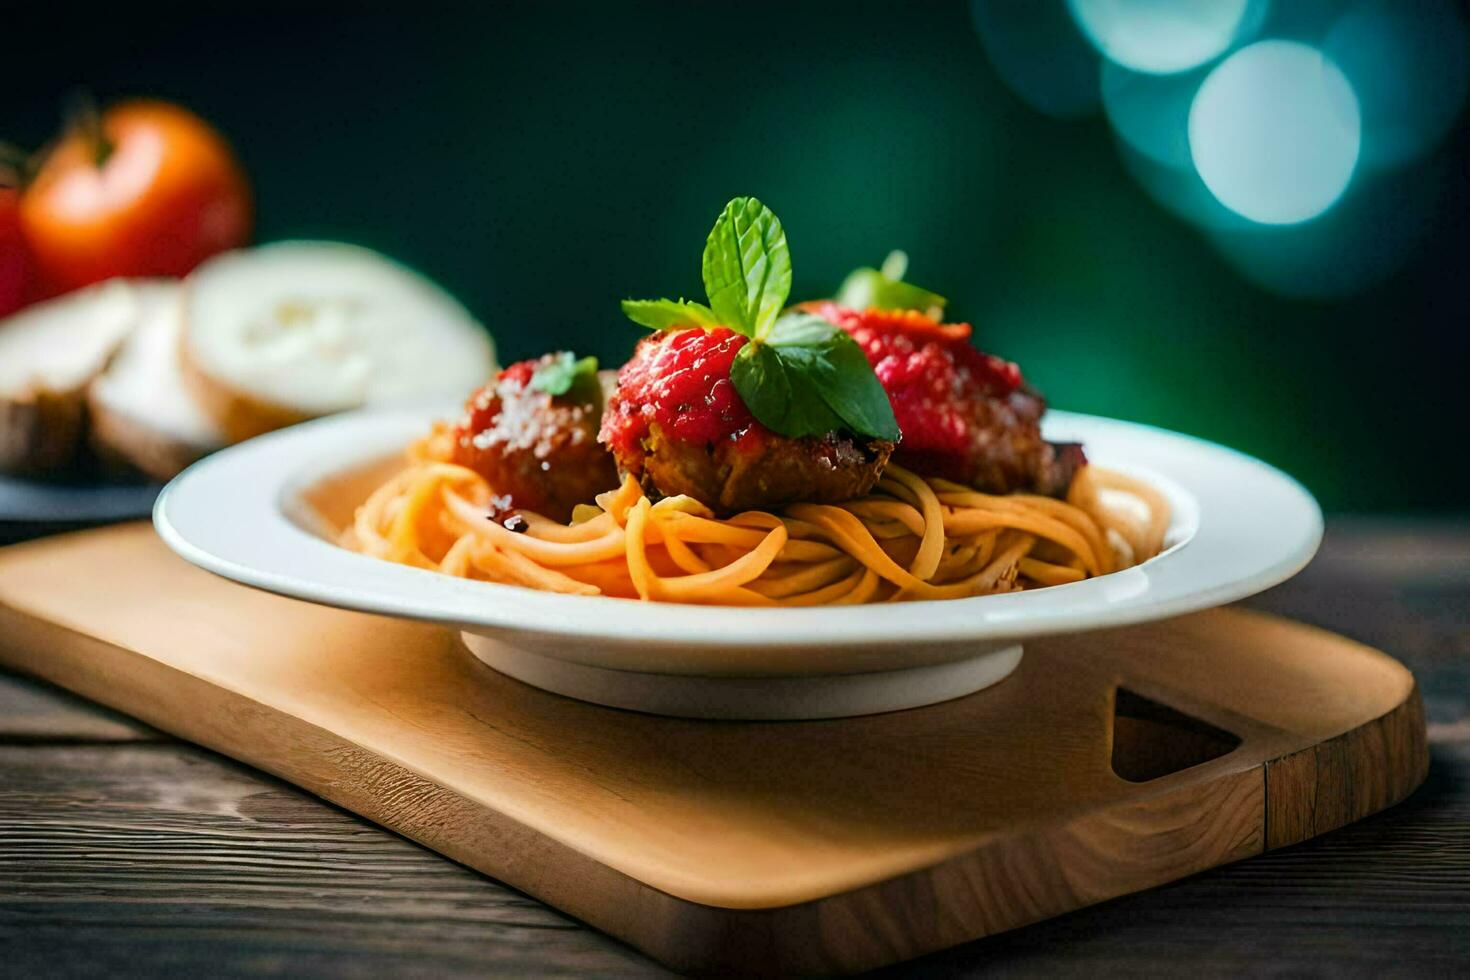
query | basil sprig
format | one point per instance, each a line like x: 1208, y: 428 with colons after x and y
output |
x: 799, y: 375
x: 747, y: 267
x: 563, y: 372
x: 814, y: 379
x: 885, y: 289
x: 669, y: 314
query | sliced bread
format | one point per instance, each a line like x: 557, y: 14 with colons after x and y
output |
x: 141, y: 413
x: 290, y: 331
x: 49, y: 355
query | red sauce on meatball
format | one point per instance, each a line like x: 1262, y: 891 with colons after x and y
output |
x: 677, y: 425
x: 965, y: 415
x: 680, y: 381
x: 931, y: 372
x: 540, y: 452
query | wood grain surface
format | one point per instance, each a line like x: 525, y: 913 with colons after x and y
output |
x: 1398, y: 934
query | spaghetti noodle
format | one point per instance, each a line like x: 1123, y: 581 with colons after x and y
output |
x: 911, y: 538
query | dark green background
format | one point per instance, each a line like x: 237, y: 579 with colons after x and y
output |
x: 545, y: 160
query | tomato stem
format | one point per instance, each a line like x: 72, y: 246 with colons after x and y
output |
x: 83, y: 116
x: 15, y: 165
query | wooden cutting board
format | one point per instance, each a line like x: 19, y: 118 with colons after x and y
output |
x: 1108, y: 763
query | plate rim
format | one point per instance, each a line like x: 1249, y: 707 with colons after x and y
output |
x: 337, y: 577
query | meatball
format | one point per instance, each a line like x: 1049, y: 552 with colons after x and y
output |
x: 677, y: 424
x: 538, y: 452
x: 965, y: 416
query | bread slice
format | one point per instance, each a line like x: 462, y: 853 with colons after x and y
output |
x: 141, y: 414
x: 290, y: 331
x: 49, y: 354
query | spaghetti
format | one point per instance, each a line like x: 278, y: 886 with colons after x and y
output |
x: 911, y: 538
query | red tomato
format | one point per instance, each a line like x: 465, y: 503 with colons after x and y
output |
x: 14, y: 265
x: 157, y: 194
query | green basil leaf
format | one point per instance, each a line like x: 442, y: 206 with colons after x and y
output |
x: 760, y: 380
x: 839, y: 372
x: 810, y: 378
x: 669, y: 314
x: 846, y: 382
x: 778, y: 392
x: 747, y: 267
x: 802, y: 330
x: 558, y: 375
x: 885, y: 289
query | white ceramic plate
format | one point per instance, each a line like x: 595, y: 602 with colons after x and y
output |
x: 1239, y: 526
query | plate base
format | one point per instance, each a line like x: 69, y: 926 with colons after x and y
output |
x: 753, y: 698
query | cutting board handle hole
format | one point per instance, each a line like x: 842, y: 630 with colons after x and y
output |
x: 1151, y: 740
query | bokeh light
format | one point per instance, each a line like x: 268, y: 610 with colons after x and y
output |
x: 1298, y: 136
x: 1303, y: 20
x: 1039, y: 53
x: 1150, y: 113
x: 1364, y: 239
x: 1275, y: 132
x: 1162, y: 36
x: 1181, y: 192
x: 1407, y: 63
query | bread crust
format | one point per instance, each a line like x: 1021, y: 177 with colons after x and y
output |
x: 43, y: 406
x: 41, y: 432
x: 239, y: 414
x: 121, y: 440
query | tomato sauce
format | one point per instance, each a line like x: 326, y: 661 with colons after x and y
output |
x: 681, y: 382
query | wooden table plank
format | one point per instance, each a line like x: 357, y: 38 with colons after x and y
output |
x: 1404, y: 588
x: 1384, y: 897
x: 116, y: 856
x: 32, y: 711
x: 120, y: 855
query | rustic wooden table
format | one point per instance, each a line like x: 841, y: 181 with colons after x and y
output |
x: 125, y: 851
